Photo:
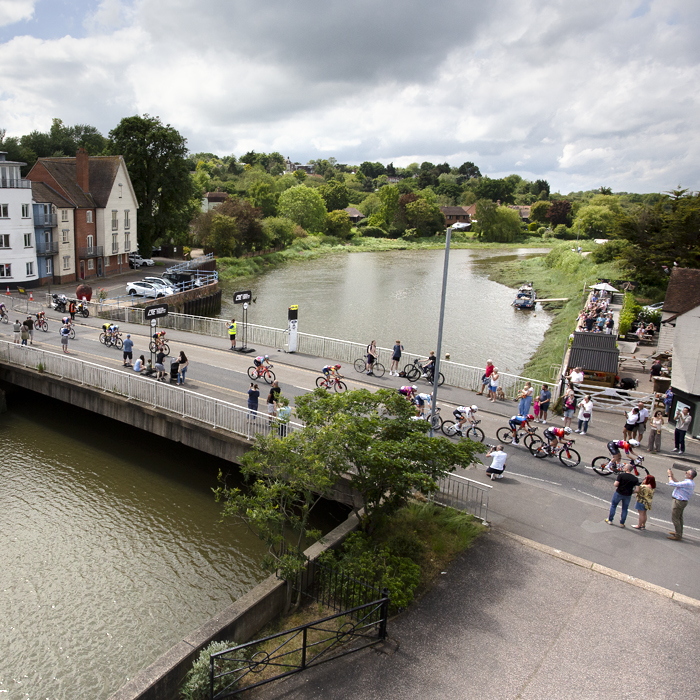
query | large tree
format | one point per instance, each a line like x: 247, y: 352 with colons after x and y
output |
x: 156, y: 156
x: 335, y: 195
x: 304, y: 206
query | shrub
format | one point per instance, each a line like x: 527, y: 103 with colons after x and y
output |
x: 534, y: 226
x: 628, y: 314
x: 374, y: 232
x: 196, y: 685
x: 607, y: 252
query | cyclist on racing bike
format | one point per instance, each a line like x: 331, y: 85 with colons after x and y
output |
x: 614, y: 447
x: 463, y: 414
x: 66, y: 321
x: 3, y: 310
x: 517, y: 422
x: 261, y: 360
x: 331, y: 371
x: 552, y: 434
x: 429, y: 366
x: 409, y: 392
x: 421, y: 400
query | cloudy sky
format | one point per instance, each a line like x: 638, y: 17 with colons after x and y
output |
x: 582, y: 94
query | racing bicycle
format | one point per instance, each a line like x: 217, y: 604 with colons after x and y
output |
x: 604, y: 466
x: 361, y: 366
x: 450, y: 428
x: 331, y: 383
x: 158, y: 346
x: 71, y: 335
x: 112, y: 340
x: 415, y: 371
x: 505, y: 435
x: 263, y: 372
x: 567, y: 455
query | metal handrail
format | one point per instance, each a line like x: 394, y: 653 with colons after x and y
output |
x: 191, y: 264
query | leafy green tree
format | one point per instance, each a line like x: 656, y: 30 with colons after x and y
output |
x: 485, y: 215
x: 495, y: 190
x: 279, y: 231
x: 503, y: 227
x: 338, y: 224
x: 596, y: 221
x: 223, y: 235
x: 305, y: 207
x: 372, y: 170
x: 261, y: 196
x: 558, y: 212
x: 385, y: 216
x: 469, y: 170
x: 156, y: 157
x: 300, y: 175
x: 335, y: 195
x: 425, y: 216
x: 538, y: 212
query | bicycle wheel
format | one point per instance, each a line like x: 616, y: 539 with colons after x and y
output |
x: 72, y: 334
x: 476, y: 434
x: 641, y: 471
x: 435, y: 421
x: 378, y: 369
x: 151, y: 347
x: 449, y: 428
x: 412, y: 372
x: 441, y: 380
x: 253, y: 372
x: 505, y: 435
x: 529, y: 439
x: 534, y: 444
x: 360, y: 365
x: 44, y: 327
x: 569, y: 457
x: 599, y: 464
x: 119, y: 343
x: 540, y: 450
x: 269, y: 376
x: 165, y: 348
x: 103, y: 338
x: 5, y: 319
x: 340, y: 387
x: 321, y: 381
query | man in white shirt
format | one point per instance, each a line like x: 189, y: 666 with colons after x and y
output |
x: 642, y: 420
x: 498, y: 462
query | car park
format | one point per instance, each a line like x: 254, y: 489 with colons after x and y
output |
x: 145, y: 289
x: 163, y: 284
x: 136, y: 261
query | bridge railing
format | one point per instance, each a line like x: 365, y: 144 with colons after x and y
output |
x: 188, y: 404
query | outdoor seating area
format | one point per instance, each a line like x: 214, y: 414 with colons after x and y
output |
x: 596, y: 317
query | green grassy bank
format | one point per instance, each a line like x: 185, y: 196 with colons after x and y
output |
x: 315, y: 246
x: 561, y: 273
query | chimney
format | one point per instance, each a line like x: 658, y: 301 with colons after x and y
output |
x: 82, y: 169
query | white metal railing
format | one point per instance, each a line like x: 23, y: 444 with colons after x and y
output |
x: 463, y: 494
x: 615, y: 399
x: 188, y: 404
x: 191, y: 264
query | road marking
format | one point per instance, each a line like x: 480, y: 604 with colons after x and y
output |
x: 534, y: 478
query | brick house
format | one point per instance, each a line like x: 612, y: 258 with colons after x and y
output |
x: 104, y: 209
x: 455, y: 215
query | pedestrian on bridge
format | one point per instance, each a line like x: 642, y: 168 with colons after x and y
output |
x: 682, y: 492
x: 626, y: 484
x: 232, y: 329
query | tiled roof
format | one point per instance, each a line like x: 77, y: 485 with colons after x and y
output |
x: 42, y: 193
x: 683, y: 291
x: 216, y: 196
x: 354, y: 213
x: 103, y: 171
x: 455, y: 211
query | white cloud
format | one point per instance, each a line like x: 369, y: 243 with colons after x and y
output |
x: 583, y: 95
x: 12, y: 11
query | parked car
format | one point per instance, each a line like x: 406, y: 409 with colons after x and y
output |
x: 161, y: 283
x: 145, y: 289
x: 654, y: 307
x: 148, y: 262
x: 135, y: 261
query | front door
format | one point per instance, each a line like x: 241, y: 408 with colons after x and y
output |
x: 99, y: 267
x: 82, y: 269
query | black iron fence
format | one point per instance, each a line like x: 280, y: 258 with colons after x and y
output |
x: 286, y: 653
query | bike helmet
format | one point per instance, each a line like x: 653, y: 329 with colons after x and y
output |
x: 414, y: 387
x: 475, y: 408
x: 567, y: 430
x: 337, y: 366
x: 634, y: 443
x: 267, y: 357
x: 530, y: 416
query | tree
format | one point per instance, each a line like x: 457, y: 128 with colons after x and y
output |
x: 469, y: 170
x: 539, y: 187
x: 279, y: 231
x: 261, y: 196
x: 223, y: 235
x: 303, y: 206
x: 596, y: 221
x: 335, y: 195
x: 425, y: 216
x: 485, y: 215
x: 155, y: 155
x: 372, y: 170
x: 495, y: 190
x: 385, y: 216
x: 338, y: 224
x: 502, y: 225
x: 538, y: 212
x: 558, y: 212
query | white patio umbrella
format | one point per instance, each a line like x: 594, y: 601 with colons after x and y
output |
x: 604, y: 287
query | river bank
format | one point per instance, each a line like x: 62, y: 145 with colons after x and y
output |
x: 561, y: 273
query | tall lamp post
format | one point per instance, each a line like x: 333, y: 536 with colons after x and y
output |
x: 436, y: 377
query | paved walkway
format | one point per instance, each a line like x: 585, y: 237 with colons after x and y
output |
x: 509, y: 621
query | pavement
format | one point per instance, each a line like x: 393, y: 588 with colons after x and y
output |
x: 509, y: 620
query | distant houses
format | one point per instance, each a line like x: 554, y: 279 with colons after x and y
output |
x: 70, y: 219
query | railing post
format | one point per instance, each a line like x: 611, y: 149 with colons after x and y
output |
x: 303, y: 648
x: 385, y: 614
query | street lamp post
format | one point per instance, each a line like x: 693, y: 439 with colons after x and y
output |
x: 436, y: 376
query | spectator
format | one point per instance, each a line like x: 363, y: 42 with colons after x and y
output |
x: 569, y: 407
x: 160, y: 367
x: 395, y: 359
x: 536, y: 408
x: 371, y: 357
x: 525, y: 399
x: 232, y: 329
x: 643, y: 505
x: 65, y: 333
x: 609, y: 324
x: 626, y: 484
x: 29, y: 323
x: 24, y: 334
x: 668, y: 402
x: 272, y: 405
x: 585, y: 411
x: 493, y: 384
x: 630, y: 429
x: 485, y: 379
x: 682, y: 493
x: 16, y: 330
x: 253, y: 397
x: 128, y: 350
x: 183, y: 364
x: 498, y: 462
x: 545, y: 398
x: 683, y: 420
x: 657, y: 423
x: 642, y: 421
x: 655, y: 370
x: 138, y: 365
x: 71, y: 309
x: 576, y: 377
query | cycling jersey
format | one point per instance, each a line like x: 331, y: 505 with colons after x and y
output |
x: 423, y: 398
x: 552, y: 433
x: 614, y: 447
x: 328, y: 369
x: 66, y: 319
x: 406, y: 390
x: 518, y: 420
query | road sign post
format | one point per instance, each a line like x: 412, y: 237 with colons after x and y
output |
x: 244, y: 298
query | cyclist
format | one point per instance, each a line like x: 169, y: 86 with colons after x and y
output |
x: 3, y: 310
x: 553, y: 434
x: 67, y: 321
x: 261, y: 360
x: 113, y: 333
x: 517, y: 422
x: 614, y: 447
x: 409, y: 392
x: 463, y: 414
x: 421, y: 400
x: 331, y: 371
x: 429, y: 366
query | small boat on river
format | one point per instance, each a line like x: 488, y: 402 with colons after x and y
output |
x: 525, y: 298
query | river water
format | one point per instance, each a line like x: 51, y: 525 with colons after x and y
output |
x: 112, y: 550
x: 392, y: 295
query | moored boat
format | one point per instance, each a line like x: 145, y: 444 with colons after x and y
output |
x: 525, y: 298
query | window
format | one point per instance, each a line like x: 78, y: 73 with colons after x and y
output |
x: 25, y: 211
x: 65, y: 235
x: 27, y: 240
x: 90, y: 240
x: 4, y: 211
x: 120, y: 190
x: 91, y: 264
x: 88, y: 217
x: 108, y: 262
x: 5, y: 240
x: 127, y: 242
x: 115, y: 243
x: 30, y: 269
x: 49, y: 266
x: 66, y: 262
x: 127, y: 223
x: 115, y: 220
x: 5, y: 270
x: 64, y: 214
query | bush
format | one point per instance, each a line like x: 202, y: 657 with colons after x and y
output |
x: 279, y: 231
x: 534, y: 226
x: 628, y: 314
x: 338, y: 224
x: 607, y: 252
x: 374, y: 232
x: 196, y: 685
x: 563, y: 233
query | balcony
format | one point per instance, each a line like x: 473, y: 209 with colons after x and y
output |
x: 15, y: 184
x: 46, y: 248
x: 43, y: 220
x: 96, y: 251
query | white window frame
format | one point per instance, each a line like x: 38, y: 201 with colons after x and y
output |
x: 30, y: 268
x: 88, y: 216
x: 91, y: 264
x: 127, y: 242
x: 64, y: 214
x: 26, y: 211
x: 121, y: 187
x: 115, y: 243
x: 49, y: 266
x: 27, y: 240
x: 108, y: 261
x: 66, y: 262
x: 127, y: 222
x: 6, y: 270
x: 4, y: 211
x: 5, y: 240
x: 66, y: 235
x: 115, y: 220
x: 90, y: 241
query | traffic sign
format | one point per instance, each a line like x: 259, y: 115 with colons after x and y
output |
x: 154, y: 322
x: 155, y: 311
x: 242, y: 297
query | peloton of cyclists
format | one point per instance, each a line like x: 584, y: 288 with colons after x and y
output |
x: 517, y: 422
x: 463, y: 414
x: 614, y: 447
x: 331, y: 371
x: 553, y: 435
x: 111, y: 330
